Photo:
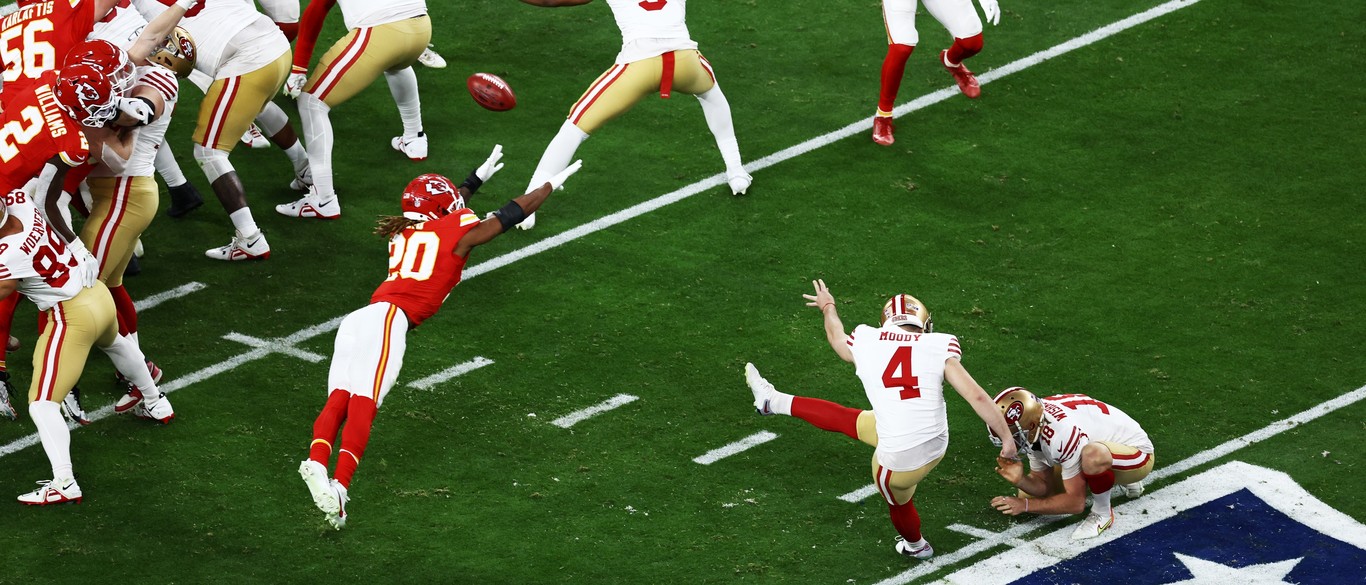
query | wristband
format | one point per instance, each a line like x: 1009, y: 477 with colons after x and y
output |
x: 1026, y: 504
x: 186, y: 4
x: 510, y: 215
x: 472, y: 182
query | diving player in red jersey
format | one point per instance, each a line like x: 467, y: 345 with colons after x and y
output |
x: 428, y: 247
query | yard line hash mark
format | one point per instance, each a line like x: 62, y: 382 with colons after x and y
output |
x: 276, y: 346
x: 577, y: 417
x: 742, y: 445
x: 451, y: 372
x: 172, y: 294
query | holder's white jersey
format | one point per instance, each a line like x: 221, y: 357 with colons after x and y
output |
x: 903, y: 375
x: 148, y: 139
x: 121, y: 26
x: 372, y: 13
x: 37, y: 257
x: 651, y: 27
x: 231, y: 38
x: 1070, y: 421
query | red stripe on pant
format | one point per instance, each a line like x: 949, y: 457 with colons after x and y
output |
x: 594, y: 99
x: 221, y: 107
x: 52, y: 355
x: 118, y: 205
x: 331, y: 81
x: 666, y: 79
x: 1125, y: 463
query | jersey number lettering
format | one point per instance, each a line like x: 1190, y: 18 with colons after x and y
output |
x: 33, y: 56
x: 1072, y: 401
x: 413, y: 256
x: 898, y: 374
x: 17, y: 133
x: 191, y: 12
x: 47, y: 264
x: 653, y: 5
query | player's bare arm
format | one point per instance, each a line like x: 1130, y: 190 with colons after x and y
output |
x: 56, y: 169
x: 514, y: 212
x: 154, y: 34
x: 981, y: 402
x: 556, y: 3
x: 119, y: 141
x: 1071, y: 501
x: 834, y: 329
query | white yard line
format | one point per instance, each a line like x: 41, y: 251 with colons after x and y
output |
x: 275, y: 346
x: 577, y: 417
x: 983, y: 533
x: 451, y: 372
x: 754, y: 440
x: 174, y: 293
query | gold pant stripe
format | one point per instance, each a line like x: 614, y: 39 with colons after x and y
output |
x: 384, y: 353
x: 73, y: 327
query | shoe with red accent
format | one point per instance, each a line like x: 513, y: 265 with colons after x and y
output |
x: 57, y: 491
x: 157, y: 409
x: 242, y: 248
x: 311, y: 206
x: 338, y: 519
x: 6, y: 409
x: 883, y: 129
x: 1094, y: 525
x: 967, y: 82
x: 254, y: 138
x: 413, y: 147
x: 129, y: 400
x: 921, y: 551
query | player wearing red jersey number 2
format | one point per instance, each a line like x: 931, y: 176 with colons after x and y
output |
x: 903, y: 365
x: 1076, y: 444
x: 428, y: 247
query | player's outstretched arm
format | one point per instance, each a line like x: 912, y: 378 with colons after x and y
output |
x: 982, y: 404
x: 1071, y: 501
x: 154, y: 34
x: 514, y: 212
x: 556, y: 3
x: 485, y: 172
x: 834, y: 329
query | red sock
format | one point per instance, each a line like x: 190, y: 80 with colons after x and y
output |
x: 827, y: 415
x: 906, y: 520
x: 965, y: 48
x: 326, y: 427
x: 127, y: 313
x: 893, y: 68
x: 1100, y: 482
x: 360, y: 414
x: 6, y: 320
x: 291, y: 29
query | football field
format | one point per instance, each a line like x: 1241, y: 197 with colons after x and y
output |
x: 1157, y: 204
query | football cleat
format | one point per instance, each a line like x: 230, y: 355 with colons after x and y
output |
x: 1132, y: 490
x: 762, y: 389
x: 319, y: 486
x: 739, y: 183
x: 184, y: 199
x: 129, y: 400
x: 303, y: 180
x: 430, y: 58
x: 12, y: 344
x: 528, y: 223
x: 242, y: 248
x: 133, y: 268
x: 967, y: 82
x: 53, y: 492
x: 1093, y: 526
x: 71, y: 407
x: 338, y: 519
x: 924, y: 551
x: 883, y: 129
x: 157, y: 409
x: 254, y: 138
x: 6, y: 409
x: 311, y: 205
x: 413, y: 147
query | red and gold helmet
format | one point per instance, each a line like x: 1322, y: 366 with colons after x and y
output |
x: 431, y: 196
x: 178, y: 53
x: 108, y: 58
x: 86, y: 94
x: 1024, y: 416
x: 907, y: 310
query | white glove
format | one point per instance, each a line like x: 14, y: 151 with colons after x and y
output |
x: 87, y: 269
x: 490, y: 166
x: 557, y: 181
x: 138, y: 109
x: 298, y: 78
x: 188, y: 5
x: 991, y: 10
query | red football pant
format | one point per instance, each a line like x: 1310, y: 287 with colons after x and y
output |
x: 965, y: 48
x: 360, y: 415
x: 893, y: 68
x: 827, y: 415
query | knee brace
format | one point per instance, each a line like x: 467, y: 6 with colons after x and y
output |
x: 213, y: 161
x: 272, y: 119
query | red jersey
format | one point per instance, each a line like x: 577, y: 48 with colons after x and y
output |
x: 36, y: 38
x: 423, y: 267
x: 32, y: 131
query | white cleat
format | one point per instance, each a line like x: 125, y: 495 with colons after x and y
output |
x: 1132, y: 490
x: 922, y: 552
x: 303, y: 180
x: 311, y: 205
x: 739, y: 183
x: 138, y: 250
x: 157, y: 409
x: 254, y: 138
x: 71, y: 407
x: 240, y: 248
x: 528, y: 223
x: 1093, y: 526
x: 430, y: 58
x: 7, y: 409
x: 413, y: 147
x: 338, y: 519
x: 129, y: 400
x: 319, y: 486
x: 763, y: 391
x: 53, y: 492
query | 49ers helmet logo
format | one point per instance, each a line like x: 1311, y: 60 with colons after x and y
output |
x: 1013, y: 412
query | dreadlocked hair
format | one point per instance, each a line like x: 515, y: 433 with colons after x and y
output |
x: 389, y: 226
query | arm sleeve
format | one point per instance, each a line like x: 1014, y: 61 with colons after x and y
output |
x: 309, y: 26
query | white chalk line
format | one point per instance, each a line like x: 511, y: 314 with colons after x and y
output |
x: 579, y: 416
x: 451, y: 372
x: 742, y: 445
x: 172, y: 294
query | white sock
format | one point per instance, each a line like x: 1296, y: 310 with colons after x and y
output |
x: 1100, y: 504
x: 246, y: 227
x: 168, y: 167
x: 297, y: 157
x: 717, y: 111
x: 272, y: 119
x: 780, y: 403
x: 54, y: 434
x: 318, y: 134
x: 558, y: 154
x: 130, y: 362
x: 403, y: 86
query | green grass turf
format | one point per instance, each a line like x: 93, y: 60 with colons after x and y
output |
x: 1168, y: 220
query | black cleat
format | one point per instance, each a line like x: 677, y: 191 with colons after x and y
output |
x: 184, y: 199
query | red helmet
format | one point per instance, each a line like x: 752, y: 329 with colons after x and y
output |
x: 108, y: 58
x: 429, y: 197
x: 86, y: 94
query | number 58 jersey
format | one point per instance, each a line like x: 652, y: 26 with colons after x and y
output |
x: 423, y: 266
x: 903, y: 374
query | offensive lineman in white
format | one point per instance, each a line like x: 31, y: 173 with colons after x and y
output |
x: 1094, y: 445
x: 903, y: 365
x: 657, y: 55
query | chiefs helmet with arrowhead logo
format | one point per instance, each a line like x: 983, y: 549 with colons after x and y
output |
x: 1024, y: 416
x: 431, y: 196
x: 108, y: 58
x: 86, y: 94
x: 906, y: 310
x: 178, y: 53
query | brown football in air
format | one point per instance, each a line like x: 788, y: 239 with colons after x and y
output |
x: 491, y: 92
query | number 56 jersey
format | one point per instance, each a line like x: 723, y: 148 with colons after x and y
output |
x: 423, y: 267
x: 903, y: 374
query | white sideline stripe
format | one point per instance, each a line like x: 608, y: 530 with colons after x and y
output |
x: 983, y: 533
x: 1018, y: 530
x: 451, y: 372
x: 576, y: 417
x: 754, y: 440
x: 174, y: 293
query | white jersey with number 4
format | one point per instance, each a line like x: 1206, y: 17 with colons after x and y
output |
x: 372, y: 13
x: 231, y: 38
x: 903, y: 375
x: 1070, y: 421
x: 651, y: 27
